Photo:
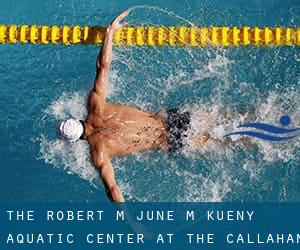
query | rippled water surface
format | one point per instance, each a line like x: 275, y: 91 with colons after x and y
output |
x: 43, y: 84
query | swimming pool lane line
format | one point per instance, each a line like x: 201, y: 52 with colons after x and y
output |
x: 152, y: 35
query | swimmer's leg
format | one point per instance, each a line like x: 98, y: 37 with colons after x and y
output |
x: 200, y: 140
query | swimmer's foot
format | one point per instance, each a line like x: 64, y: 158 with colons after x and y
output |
x: 200, y: 140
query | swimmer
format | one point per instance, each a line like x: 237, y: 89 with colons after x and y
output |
x: 114, y: 130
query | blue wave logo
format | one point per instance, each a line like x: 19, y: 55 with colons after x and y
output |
x: 279, y: 133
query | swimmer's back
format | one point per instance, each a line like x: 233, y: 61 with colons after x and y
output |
x: 126, y: 130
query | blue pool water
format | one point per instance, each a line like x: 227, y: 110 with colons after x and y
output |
x: 42, y: 84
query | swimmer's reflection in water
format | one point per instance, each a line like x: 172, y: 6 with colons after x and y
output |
x: 116, y: 130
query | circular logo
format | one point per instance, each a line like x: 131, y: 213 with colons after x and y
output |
x: 285, y: 120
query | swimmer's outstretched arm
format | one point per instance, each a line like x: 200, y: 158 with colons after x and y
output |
x: 105, y: 56
x: 103, y: 164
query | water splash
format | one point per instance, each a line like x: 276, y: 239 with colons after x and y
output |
x: 74, y: 158
x: 192, y: 185
x: 210, y: 84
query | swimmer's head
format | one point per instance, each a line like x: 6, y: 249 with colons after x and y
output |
x: 70, y: 130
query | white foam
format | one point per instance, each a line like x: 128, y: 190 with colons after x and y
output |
x: 217, y: 121
x: 271, y: 110
x: 68, y: 105
x: 72, y: 157
x: 213, y: 116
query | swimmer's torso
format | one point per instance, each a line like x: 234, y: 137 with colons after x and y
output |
x: 124, y: 130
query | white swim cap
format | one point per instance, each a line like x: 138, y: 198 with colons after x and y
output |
x: 70, y: 130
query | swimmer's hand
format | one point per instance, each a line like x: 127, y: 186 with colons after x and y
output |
x: 115, y: 24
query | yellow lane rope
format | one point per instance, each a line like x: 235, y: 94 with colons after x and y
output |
x: 152, y: 35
